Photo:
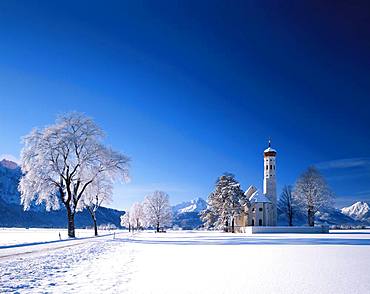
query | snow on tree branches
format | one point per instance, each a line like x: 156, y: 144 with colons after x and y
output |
x: 313, y: 193
x: 224, y: 203
x: 98, y: 192
x: 126, y: 221
x: 137, y: 215
x: 157, y: 210
x: 62, y: 160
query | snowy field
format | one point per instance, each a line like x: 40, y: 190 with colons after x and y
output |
x: 21, y: 236
x: 194, y: 262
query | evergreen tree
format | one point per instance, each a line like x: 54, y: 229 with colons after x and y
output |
x: 225, y: 203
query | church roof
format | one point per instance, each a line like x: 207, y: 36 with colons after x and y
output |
x: 270, y: 150
x: 256, y: 198
x: 251, y: 189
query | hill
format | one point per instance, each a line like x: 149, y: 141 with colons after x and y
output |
x: 12, y: 214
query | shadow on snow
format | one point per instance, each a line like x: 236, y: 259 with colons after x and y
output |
x: 248, y: 241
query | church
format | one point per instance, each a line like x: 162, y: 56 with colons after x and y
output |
x: 261, y: 209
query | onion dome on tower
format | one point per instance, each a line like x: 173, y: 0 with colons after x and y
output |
x: 269, y: 151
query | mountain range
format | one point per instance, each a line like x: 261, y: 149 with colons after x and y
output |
x: 186, y: 215
x: 13, y: 215
x: 358, y: 211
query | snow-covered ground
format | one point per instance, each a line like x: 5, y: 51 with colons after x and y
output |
x: 12, y: 236
x: 196, y: 262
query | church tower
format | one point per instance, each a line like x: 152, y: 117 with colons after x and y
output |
x: 269, y: 180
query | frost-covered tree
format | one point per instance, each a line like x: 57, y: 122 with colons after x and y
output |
x: 137, y: 215
x: 157, y: 210
x: 208, y: 217
x: 313, y: 193
x: 287, y: 204
x: 60, y: 161
x: 98, y: 192
x: 126, y: 221
x: 225, y: 202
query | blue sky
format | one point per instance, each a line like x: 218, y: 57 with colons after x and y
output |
x: 190, y: 90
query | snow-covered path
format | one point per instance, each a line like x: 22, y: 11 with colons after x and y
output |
x: 197, y: 262
x: 94, y: 265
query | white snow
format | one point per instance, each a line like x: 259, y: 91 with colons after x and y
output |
x: 269, y: 149
x: 258, y: 198
x: 195, y: 205
x: 23, y: 236
x: 357, y: 210
x: 196, y: 262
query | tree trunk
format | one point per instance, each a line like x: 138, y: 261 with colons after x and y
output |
x: 290, y: 221
x: 95, y: 226
x: 129, y: 228
x: 157, y: 227
x: 71, y: 223
x: 311, y: 215
x: 93, y: 216
x: 233, y: 226
x: 290, y: 217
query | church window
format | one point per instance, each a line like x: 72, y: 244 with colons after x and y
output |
x: 260, y: 209
x: 267, y: 167
x: 260, y: 222
x: 270, y: 166
x: 252, y: 222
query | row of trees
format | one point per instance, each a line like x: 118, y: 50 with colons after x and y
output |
x: 310, y: 194
x: 67, y: 163
x: 155, y: 211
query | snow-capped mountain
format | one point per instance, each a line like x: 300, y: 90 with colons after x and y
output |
x: 358, y: 211
x: 195, y: 205
x: 8, y: 164
x: 329, y: 217
x: 335, y: 217
x: 186, y: 214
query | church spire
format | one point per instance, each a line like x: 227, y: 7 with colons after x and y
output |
x: 269, y: 142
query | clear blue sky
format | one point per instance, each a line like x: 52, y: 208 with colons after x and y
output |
x: 190, y: 90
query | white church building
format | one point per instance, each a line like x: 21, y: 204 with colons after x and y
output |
x: 261, y: 209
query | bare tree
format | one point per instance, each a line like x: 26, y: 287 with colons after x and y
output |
x: 313, y: 193
x: 60, y: 161
x: 100, y: 191
x: 126, y: 221
x: 137, y: 215
x: 157, y: 210
x: 287, y: 204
